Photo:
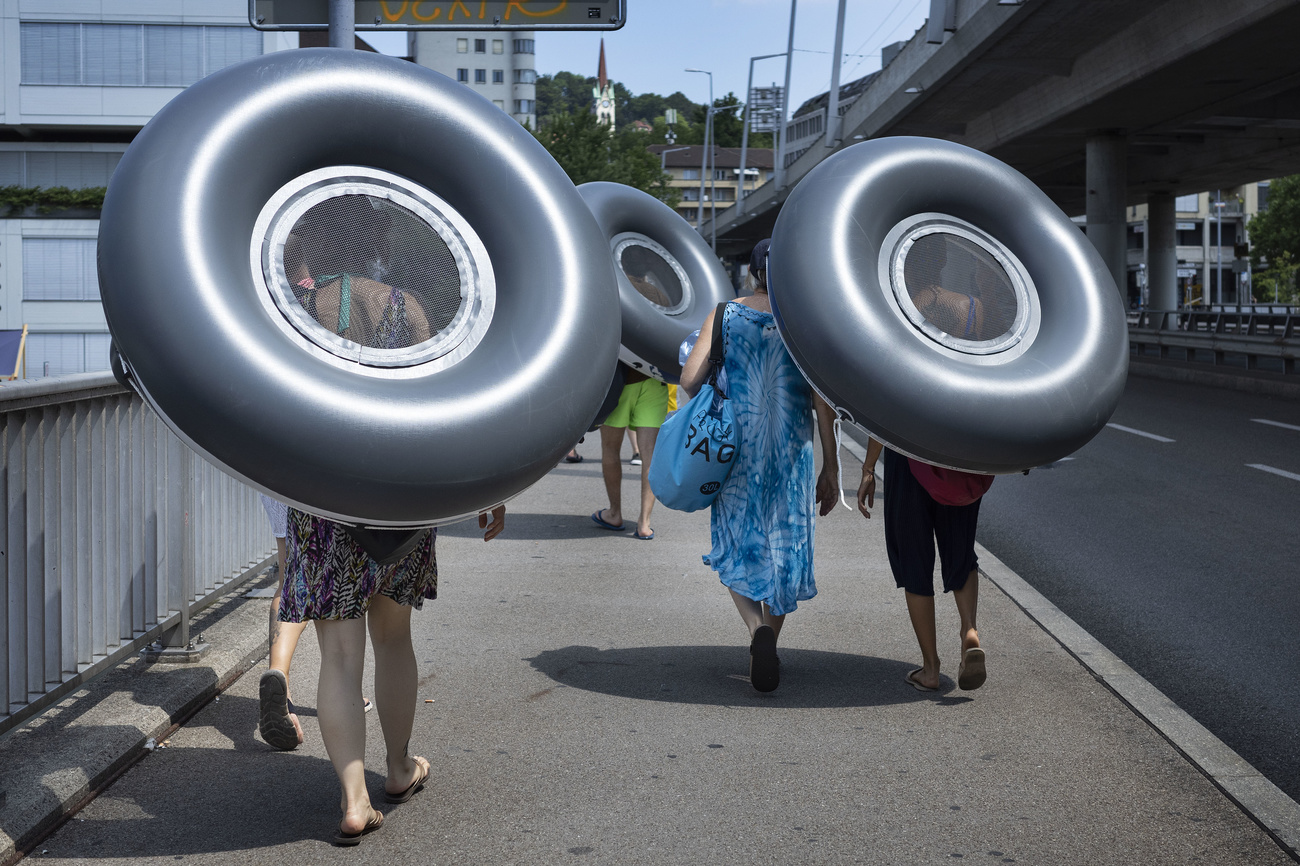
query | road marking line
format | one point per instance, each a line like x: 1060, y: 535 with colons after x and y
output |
x: 1282, y: 472
x: 1276, y: 424
x: 1139, y: 433
x: 1254, y: 794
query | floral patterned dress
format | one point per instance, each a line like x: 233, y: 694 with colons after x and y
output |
x: 762, y: 520
x: 329, y: 576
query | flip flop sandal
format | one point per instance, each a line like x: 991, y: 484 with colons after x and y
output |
x: 346, y: 840
x: 273, y: 721
x: 971, y: 674
x: 764, y: 666
x: 595, y: 516
x: 911, y: 679
x: 417, y: 785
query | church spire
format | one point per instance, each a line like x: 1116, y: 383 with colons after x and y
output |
x: 603, y: 93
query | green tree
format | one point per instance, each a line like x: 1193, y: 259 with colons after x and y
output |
x: 1275, y: 241
x: 563, y: 93
x: 587, y: 151
x: 1277, y: 230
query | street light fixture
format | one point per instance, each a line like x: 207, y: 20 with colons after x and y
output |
x: 744, y: 136
x: 705, y: 164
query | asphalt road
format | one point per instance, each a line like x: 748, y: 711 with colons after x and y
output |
x: 1171, y: 544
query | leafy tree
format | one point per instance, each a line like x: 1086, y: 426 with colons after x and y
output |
x: 1275, y: 239
x: 563, y: 93
x: 1277, y: 229
x: 588, y: 151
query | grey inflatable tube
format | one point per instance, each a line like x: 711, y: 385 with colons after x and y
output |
x: 193, y: 269
x: 668, y: 277
x: 859, y: 279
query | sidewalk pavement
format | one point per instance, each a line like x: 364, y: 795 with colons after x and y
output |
x: 584, y: 699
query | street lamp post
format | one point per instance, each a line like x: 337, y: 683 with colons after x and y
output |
x: 785, y: 102
x: 704, y: 163
x: 744, y: 135
x: 663, y: 157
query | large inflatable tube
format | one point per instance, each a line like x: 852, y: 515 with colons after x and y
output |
x: 478, y: 331
x: 940, y: 300
x: 668, y: 278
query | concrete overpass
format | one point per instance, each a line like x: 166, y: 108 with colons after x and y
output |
x: 1103, y: 104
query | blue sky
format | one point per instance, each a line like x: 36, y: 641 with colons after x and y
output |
x: 664, y: 37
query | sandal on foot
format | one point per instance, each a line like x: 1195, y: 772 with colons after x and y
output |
x: 917, y: 684
x: 273, y: 721
x: 603, y: 524
x: 764, y: 666
x: 971, y: 674
x: 417, y: 785
x: 346, y: 840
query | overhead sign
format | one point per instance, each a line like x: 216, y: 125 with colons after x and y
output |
x: 444, y: 14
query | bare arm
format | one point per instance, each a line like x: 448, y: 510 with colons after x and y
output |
x: 697, y: 363
x: 828, y: 482
x: 867, y: 489
x: 498, y: 523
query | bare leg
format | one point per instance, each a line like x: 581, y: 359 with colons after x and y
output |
x: 611, y: 469
x: 756, y: 613
x: 396, y: 681
x: 342, y: 718
x: 634, y: 440
x: 967, y: 599
x: 284, y: 635
x: 921, y: 610
x: 646, y: 436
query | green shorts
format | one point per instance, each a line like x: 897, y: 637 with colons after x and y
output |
x: 642, y: 404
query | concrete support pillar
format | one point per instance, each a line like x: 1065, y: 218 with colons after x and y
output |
x: 1162, y: 252
x: 1107, y: 180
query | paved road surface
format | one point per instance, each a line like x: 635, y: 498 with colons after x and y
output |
x: 1180, y: 555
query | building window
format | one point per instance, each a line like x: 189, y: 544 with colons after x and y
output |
x: 59, y: 269
x: 723, y: 174
x: 724, y: 193
x: 691, y: 194
x: 690, y: 174
x: 1188, y: 203
x: 524, y: 106
x: 525, y: 76
x: 498, y: 46
x: 499, y: 103
x: 61, y: 354
x: 480, y: 76
x: 462, y: 75
x: 524, y: 46
x: 73, y: 169
x: 498, y: 76
x: 462, y: 46
x: 480, y: 46
x: 130, y: 55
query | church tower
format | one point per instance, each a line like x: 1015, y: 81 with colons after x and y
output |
x: 604, y: 93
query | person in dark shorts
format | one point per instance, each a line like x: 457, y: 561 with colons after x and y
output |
x: 925, y: 505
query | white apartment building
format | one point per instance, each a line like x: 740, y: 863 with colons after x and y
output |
x: 498, y: 65
x: 78, y: 79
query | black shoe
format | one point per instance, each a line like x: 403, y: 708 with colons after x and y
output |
x: 764, y: 666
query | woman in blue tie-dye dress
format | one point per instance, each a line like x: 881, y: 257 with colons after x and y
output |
x: 762, y: 522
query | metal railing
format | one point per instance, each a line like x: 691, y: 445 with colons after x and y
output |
x: 1256, y: 332
x: 115, y: 534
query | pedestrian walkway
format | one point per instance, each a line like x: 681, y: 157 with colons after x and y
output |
x: 584, y: 700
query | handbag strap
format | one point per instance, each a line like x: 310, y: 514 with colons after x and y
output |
x: 717, y: 351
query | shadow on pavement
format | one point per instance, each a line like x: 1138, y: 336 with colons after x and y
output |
x: 215, y: 798
x: 538, y: 527
x: 810, y: 679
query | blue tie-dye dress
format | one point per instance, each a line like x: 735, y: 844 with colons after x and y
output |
x: 762, y: 520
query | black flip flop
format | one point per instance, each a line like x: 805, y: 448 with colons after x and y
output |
x: 417, y: 785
